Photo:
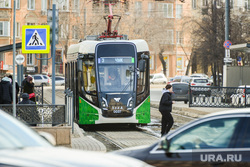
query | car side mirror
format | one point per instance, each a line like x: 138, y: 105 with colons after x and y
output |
x: 164, y: 145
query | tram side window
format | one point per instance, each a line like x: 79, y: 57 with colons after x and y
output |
x: 89, y: 77
x: 141, y: 81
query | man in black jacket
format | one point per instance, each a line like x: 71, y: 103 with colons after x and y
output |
x: 165, y: 108
x: 5, y: 91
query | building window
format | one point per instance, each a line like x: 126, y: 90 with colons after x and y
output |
x: 247, y: 4
x: 204, y: 3
x: 62, y: 5
x: 17, y: 4
x: 76, y: 4
x: 179, y: 63
x: 170, y: 37
x: 152, y: 62
x: 138, y: 8
x: 5, y: 4
x: 30, y: 59
x: 179, y: 37
x: 63, y: 31
x: 168, y: 10
x: 150, y: 9
x: 17, y: 29
x: 30, y: 23
x: 74, y: 32
x: 178, y: 11
x: 4, y: 28
x: 44, y: 5
x: 194, y: 4
x: 31, y: 4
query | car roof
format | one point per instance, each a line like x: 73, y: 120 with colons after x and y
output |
x: 229, y: 112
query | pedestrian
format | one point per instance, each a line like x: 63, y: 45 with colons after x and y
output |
x: 165, y: 107
x: 26, y: 100
x: 23, y: 82
x: 17, y: 88
x: 28, y: 113
x: 29, y: 88
x: 5, y: 91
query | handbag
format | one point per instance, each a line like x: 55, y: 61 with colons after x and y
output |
x: 32, y: 95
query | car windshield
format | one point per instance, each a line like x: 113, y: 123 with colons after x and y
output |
x: 14, y: 134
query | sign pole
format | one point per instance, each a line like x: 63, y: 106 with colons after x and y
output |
x: 14, y: 63
x: 53, y: 47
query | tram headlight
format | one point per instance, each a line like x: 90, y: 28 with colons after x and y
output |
x: 104, y: 103
x: 130, y: 103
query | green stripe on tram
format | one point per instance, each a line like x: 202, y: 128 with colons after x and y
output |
x: 87, y: 113
x: 143, y: 112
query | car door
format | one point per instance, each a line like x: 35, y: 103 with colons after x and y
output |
x: 202, y: 143
x: 37, y: 80
x: 242, y: 146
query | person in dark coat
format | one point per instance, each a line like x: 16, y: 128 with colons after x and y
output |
x: 5, y: 91
x: 29, y: 114
x: 17, y: 88
x: 165, y: 107
x: 26, y: 99
x: 29, y: 87
x: 24, y: 81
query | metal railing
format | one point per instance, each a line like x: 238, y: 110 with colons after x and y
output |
x: 38, y: 92
x: 33, y: 114
x: 69, y: 114
x: 228, y: 97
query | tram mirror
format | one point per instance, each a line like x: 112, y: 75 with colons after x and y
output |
x: 79, y: 65
x: 141, y: 65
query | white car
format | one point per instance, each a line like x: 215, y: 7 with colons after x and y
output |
x: 200, y: 86
x: 59, y: 81
x: 241, y: 95
x: 201, y: 75
x: 40, y: 79
x: 22, y: 146
x: 158, y: 78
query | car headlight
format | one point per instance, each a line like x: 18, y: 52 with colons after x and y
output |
x: 130, y: 103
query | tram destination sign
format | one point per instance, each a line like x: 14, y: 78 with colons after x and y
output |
x: 116, y: 60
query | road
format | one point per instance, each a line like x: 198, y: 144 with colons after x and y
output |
x: 122, y: 137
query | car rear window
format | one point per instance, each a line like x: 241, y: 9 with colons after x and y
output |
x: 180, y: 86
x: 200, y: 81
x: 37, y: 77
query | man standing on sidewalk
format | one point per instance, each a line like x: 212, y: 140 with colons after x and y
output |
x: 165, y: 107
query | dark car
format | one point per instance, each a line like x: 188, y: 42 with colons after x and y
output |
x: 180, y: 91
x: 220, y: 139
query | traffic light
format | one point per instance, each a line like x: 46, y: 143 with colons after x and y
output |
x: 49, y: 22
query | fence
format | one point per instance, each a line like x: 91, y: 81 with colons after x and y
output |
x: 38, y: 90
x: 38, y: 114
x: 69, y: 107
x: 201, y: 96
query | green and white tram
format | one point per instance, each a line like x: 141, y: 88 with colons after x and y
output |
x: 110, y: 81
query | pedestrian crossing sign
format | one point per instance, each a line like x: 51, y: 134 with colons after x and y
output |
x: 35, y: 39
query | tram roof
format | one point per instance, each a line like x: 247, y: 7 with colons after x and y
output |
x: 88, y: 46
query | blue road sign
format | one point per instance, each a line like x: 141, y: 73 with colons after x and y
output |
x: 35, y: 39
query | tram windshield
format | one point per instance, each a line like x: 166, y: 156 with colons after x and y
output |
x: 116, y: 78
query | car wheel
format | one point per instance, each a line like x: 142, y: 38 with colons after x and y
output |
x: 185, y: 102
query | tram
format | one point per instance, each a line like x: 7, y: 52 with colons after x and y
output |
x: 109, y: 77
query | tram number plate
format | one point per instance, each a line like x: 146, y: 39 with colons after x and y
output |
x: 117, y: 111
